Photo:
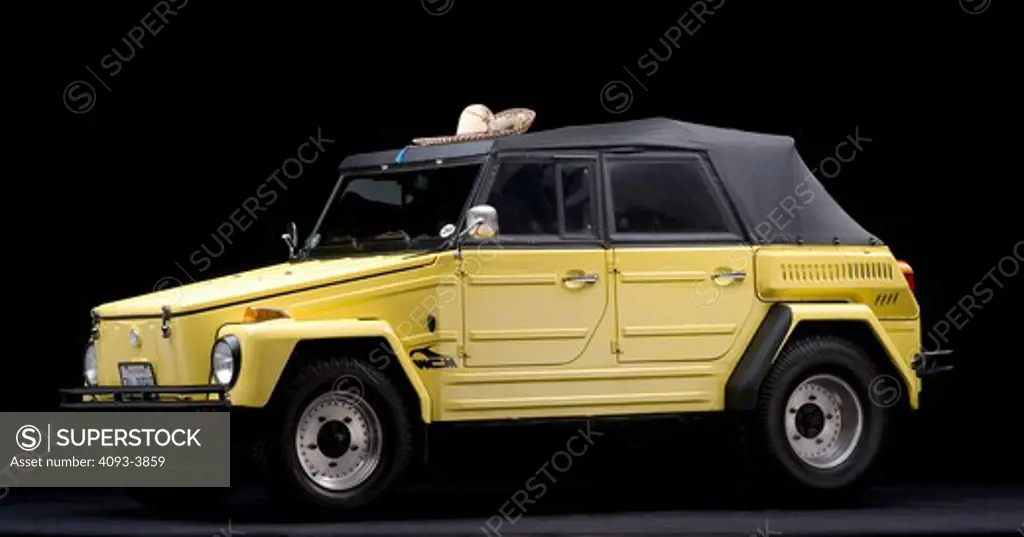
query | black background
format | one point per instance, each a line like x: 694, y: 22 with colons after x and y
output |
x: 227, y: 91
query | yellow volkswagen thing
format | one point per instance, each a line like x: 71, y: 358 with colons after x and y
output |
x: 630, y: 269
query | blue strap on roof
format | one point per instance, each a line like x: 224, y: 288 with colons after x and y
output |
x: 400, y: 155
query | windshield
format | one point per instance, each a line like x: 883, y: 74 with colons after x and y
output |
x: 393, y: 210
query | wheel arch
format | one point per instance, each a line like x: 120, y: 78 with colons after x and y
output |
x: 785, y: 323
x: 370, y: 351
x: 275, y: 349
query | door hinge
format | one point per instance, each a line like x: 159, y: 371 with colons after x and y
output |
x: 460, y: 351
x: 616, y: 349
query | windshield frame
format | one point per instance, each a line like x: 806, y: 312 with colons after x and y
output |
x: 483, y: 161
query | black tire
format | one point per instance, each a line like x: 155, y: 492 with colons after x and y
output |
x: 181, y: 501
x: 777, y: 461
x: 290, y: 483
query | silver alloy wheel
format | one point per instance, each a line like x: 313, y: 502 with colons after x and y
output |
x: 824, y: 421
x: 338, y: 441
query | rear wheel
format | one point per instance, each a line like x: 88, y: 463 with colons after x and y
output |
x: 824, y: 421
x: 816, y: 428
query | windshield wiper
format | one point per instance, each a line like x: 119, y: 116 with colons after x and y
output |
x: 308, y: 246
x: 392, y: 235
x: 334, y: 242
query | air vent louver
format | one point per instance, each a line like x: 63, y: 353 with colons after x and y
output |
x: 818, y: 273
x: 886, y: 299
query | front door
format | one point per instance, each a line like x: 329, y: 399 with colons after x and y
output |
x: 684, y: 275
x: 536, y: 294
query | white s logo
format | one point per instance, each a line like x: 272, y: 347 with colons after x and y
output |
x: 29, y: 437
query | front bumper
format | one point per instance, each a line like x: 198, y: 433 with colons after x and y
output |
x: 145, y: 398
x: 932, y: 362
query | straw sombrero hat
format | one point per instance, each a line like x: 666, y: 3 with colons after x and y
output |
x: 477, y: 122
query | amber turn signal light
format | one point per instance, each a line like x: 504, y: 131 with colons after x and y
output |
x: 258, y: 315
x: 908, y: 274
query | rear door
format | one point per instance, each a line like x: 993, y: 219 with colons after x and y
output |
x: 683, y: 271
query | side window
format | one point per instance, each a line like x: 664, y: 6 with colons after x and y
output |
x: 544, y: 198
x: 525, y: 195
x: 577, y: 200
x: 663, y: 196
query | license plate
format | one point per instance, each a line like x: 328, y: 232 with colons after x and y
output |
x: 137, y: 375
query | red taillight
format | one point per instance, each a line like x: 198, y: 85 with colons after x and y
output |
x: 908, y: 274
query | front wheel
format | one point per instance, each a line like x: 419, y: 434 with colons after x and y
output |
x: 345, y: 437
x: 816, y: 427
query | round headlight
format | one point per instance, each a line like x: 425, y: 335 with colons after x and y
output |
x: 224, y: 360
x: 90, y: 371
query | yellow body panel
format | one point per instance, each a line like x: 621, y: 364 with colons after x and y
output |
x: 520, y: 313
x: 323, y: 298
x: 671, y: 310
x: 635, y: 341
x: 267, y: 346
x: 901, y: 350
x: 859, y: 275
x: 647, y: 329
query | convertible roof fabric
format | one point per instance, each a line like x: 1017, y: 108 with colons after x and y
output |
x: 777, y: 196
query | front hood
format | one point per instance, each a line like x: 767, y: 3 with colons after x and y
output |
x: 261, y: 283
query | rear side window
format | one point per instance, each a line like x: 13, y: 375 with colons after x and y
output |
x: 664, y: 196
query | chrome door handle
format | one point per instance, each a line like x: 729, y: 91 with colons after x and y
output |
x: 580, y: 278
x: 734, y: 276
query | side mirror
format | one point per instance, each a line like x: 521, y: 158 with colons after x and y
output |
x: 291, y: 238
x: 481, y: 222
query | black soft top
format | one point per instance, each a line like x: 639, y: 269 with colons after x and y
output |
x: 777, y: 196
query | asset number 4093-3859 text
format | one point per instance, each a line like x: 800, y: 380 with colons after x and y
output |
x: 137, y: 461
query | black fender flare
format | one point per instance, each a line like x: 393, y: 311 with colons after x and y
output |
x: 743, y: 387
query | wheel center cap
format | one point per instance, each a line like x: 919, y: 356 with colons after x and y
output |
x: 810, y: 420
x: 334, y: 439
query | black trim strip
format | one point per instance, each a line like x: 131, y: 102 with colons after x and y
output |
x: 262, y: 297
x: 149, y: 393
x: 145, y: 405
x: 119, y: 390
x: 417, y: 154
x: 676, y: 239
x: 535, y: 242
x: 744, y: 385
